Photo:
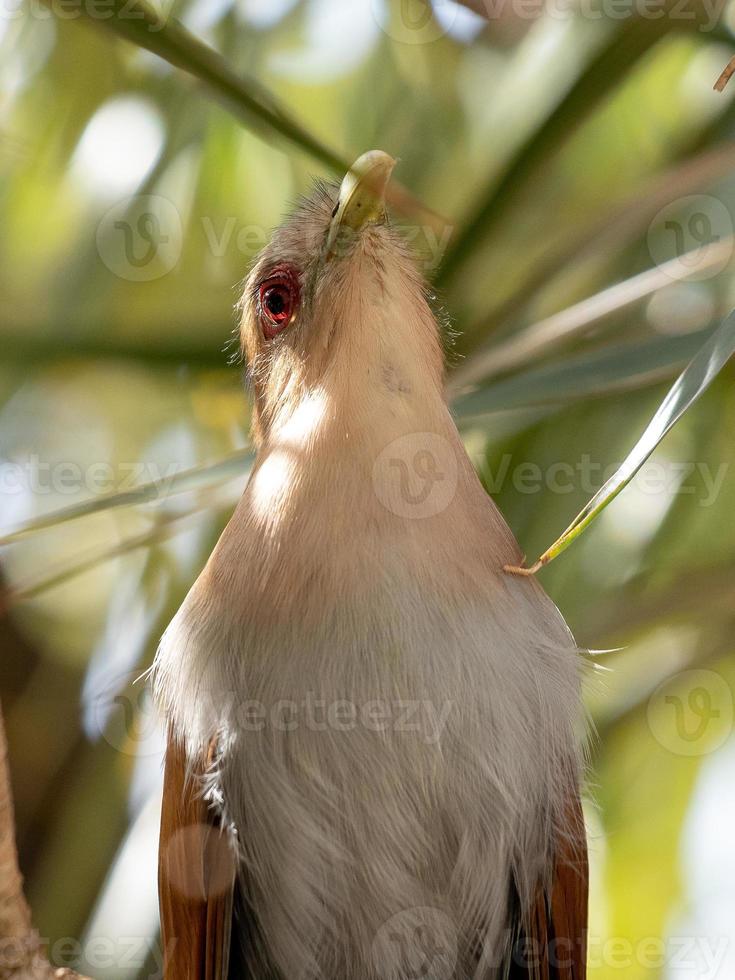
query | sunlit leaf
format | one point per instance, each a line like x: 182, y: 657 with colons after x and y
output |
x: 163, y: 35
x: 694, y: 381
x: 614, y: 367
x: 555, y: 330
x: 613, y: 230
x: 140, y: 22
x: 165, y: 528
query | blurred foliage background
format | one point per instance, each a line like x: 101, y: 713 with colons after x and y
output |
x: 585, y: 170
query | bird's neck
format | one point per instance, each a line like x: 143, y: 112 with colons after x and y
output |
x: 353, y: 416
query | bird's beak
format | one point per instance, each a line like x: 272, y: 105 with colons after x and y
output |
x: 361, y: 200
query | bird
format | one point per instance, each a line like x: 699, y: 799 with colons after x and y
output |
x: 375, y: 750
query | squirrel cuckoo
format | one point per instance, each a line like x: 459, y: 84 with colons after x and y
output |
x: 373, y: 762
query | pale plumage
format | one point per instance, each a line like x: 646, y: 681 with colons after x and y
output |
x: 337, y: 582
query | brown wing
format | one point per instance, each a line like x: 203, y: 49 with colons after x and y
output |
x: 553, y: 939
x: 196, y: 877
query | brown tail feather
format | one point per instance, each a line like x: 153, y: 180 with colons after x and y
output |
x: 196, y: 877
x: 197, y: 892
x: 553, y: 941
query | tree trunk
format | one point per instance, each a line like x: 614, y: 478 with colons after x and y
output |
x: 22, y: 956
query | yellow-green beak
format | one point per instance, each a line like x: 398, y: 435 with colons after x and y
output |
x: 361, y: 199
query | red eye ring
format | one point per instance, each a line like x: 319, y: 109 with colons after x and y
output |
x: 278, y: 301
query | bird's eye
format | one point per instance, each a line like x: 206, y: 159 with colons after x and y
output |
x: 278, y: 300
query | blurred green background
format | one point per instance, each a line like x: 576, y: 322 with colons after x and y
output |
x: 585, y: 170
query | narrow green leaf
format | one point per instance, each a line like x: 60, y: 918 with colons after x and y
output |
x: 155, y: 491
x: 547, y: 335
x: 165, y: 528
x: 695, y: 380
x: 612, y: 368
x: 138, y: 21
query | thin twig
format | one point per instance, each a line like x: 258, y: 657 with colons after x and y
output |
x: 725, y: 77
x: 166, y: 527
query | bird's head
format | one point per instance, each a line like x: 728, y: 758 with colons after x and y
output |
x: 335, y: 308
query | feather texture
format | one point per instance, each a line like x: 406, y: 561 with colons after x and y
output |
x: 196, y: 876
x: 552, y: 942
